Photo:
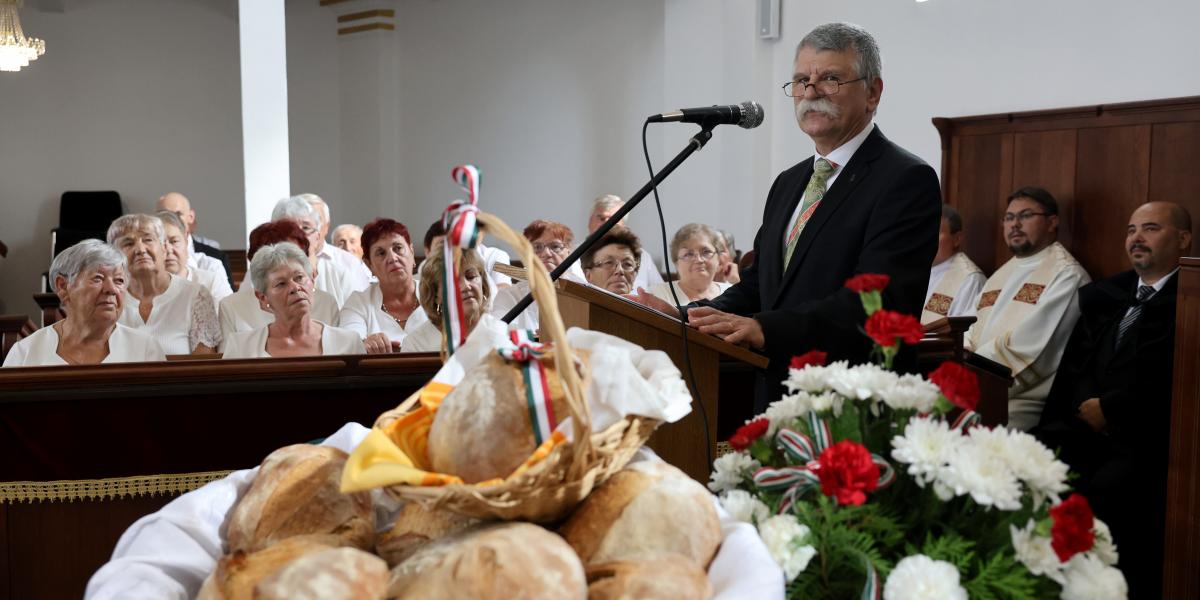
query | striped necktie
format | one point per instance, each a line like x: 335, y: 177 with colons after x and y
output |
x: 812, y: 195
x: 1143, y: 294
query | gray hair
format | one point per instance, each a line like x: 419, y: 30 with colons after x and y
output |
x: 320, y: 205
x: 951, y: 216
x: 693, y: 231
x: 727, y: 240
x: 171, y: 218
x: 352, y: 227
x: 271, y: 257
x: 840, y: 37
x: 136, y: 222
x: 606, y: 202
x: 296, y: 207
x: 88, y: 254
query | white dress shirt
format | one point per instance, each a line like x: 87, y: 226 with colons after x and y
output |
x: 839, y: 157
x: 355, y: 274
x: 204, y: 262
x: 212, y: 281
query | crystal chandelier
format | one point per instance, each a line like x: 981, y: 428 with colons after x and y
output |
x: 16, y: 50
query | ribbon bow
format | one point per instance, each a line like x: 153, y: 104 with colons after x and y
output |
x: 537, y: 389
x: 462, y: 231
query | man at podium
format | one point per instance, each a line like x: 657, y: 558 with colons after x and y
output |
x: 860, y: 205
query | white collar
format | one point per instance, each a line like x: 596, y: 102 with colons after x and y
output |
x: 841, y: 155
x: 1162, y: 281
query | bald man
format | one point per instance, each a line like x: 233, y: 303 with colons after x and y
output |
x: 203, y: 253
x: 1109, y: 409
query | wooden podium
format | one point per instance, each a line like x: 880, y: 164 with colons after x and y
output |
x: 724, y: 384
x: 944, y: 341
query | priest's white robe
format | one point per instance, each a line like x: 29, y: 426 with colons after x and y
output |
x: 954, y: 287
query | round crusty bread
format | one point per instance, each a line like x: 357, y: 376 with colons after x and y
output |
x: 506, y: 561
x: 645, y: 510
x: 414, y: 527
x: 334, y: 574
x: 482, y: 428
x: 297, y: 492
x: 237, y: 573
x: 666, y: 577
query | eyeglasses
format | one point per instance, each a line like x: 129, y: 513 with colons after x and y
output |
x: 612, y: 265
x: 690, y: 256
x: 1024, y: 216
x: 826, y: 87
x: 308, y: 230
x: 553, y: 247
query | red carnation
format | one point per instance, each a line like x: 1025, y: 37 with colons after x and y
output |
x: 867, y: 282
x: 1072, y: 531
x: 885, y: 326
x: 746, y: 434
x: 847, y: 472
x: 958, y: 384
x: 812, y: 357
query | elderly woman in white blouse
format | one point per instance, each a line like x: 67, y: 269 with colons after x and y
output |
x: 476, y: 297
x: 384, y: 313
x: 89, y: 279
x: 282, y: 277
x: 177, y: 258
x: 179, y: 314
x: 695, y: 249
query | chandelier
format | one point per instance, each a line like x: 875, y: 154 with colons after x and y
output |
x: 16, y: 50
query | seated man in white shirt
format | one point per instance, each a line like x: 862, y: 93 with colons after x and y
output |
x: 1029, y: 305
x: 358, y: 276
x: 203, y: 253
x: 331, y: 277
x: 955, y: 281
x: 602, y: 209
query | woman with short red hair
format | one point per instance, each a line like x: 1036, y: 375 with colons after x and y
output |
x: 241, y: 311
x: 551, y: 242
x: 385, y: 312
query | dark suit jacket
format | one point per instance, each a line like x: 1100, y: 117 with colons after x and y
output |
x: 881, y: 215
x: 216, y: 253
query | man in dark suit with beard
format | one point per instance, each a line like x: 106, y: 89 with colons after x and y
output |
x: 1109, y: 409
x: 861, y: 205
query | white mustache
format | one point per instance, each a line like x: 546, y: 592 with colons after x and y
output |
x: 820, y: 105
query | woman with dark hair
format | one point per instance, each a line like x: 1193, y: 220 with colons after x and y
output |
x: 552, y: 244
x: 613, y: 262
x: 384, y: 313
x: 241, y: 311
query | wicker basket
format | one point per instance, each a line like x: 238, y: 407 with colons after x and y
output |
x: 552, y: 487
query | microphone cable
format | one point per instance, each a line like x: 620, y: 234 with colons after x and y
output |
x: 683, y: 326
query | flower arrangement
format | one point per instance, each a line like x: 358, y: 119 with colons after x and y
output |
x: 864, y: 482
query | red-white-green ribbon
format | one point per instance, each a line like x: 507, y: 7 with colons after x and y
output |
x: 462, y: 231
x: 537, y: 389
x: 871, y: 588
x: 966, y: 420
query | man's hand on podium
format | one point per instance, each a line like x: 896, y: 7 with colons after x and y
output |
x: 651, y: 301
x: 738, y: 330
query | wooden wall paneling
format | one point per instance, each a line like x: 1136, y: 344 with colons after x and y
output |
x: 1174, y: 168
x: 979, y: 196
x: 1047, y: 159
x: 1181, y: 565
x: 1112, y: 177
x: 5, y: 569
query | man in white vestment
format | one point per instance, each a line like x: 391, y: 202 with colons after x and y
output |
x: 357, y: 275
x: 602, y: 209
x: 955, y: 281
x: 1029, y: 306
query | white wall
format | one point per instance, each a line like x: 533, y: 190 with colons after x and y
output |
x: 138, y: 97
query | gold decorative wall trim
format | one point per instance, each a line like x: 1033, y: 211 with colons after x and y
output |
x: 105, y: 489
x: 367, y: 27
x: 385, y: 13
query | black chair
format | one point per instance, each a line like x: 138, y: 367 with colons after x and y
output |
x: 81, y: 216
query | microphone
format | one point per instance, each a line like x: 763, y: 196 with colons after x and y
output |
x: 747, y: 115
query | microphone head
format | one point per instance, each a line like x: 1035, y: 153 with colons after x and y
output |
x: 752, y: 115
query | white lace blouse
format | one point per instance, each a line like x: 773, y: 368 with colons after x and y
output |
x: 182, y: 317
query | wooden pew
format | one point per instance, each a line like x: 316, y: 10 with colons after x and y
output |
x: 12, y: 329
x: 1181, y: 564
x: 75, y: 432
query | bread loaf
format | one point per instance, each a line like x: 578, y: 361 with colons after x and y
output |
x: 667, y: 577
x: 237, y: 573
x: 507, y: 561
x: 334, y: 574
x: 644, y: 511
x: 482, y: 429
x: 416, y: 526
x: 296, y: 492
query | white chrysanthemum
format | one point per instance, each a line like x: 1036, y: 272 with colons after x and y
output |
x: 862, y: 382
x: 926, y: 447
x: 827, y: 402
x: 910, y: 392
x: 730, y: 470
x: 1090, y: 579
x: 787, y: 541
x: 1036, y: 553
x: 919, y: 577
x: 976, y: 470
x: 810, y: 378
x: 1104, y: 548
x: 743, y: 506
x: 1034, y: 464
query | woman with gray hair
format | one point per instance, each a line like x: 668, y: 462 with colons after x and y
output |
x: 89, y: 279
x: 284, y: 287
x: 695, y: 248
x: 179, y: 314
